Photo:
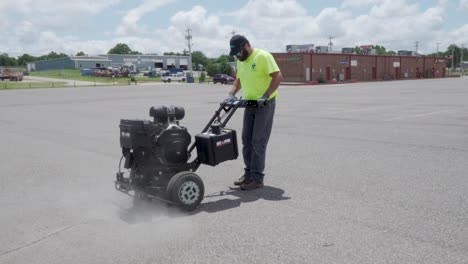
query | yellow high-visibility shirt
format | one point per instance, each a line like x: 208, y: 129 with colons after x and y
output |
x: 254, y: 74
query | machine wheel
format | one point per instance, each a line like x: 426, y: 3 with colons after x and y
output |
x: 186, y: 189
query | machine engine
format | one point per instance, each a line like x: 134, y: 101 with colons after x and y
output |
x: 155, y: 150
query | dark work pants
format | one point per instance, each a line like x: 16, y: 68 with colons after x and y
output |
x: 255, y: 135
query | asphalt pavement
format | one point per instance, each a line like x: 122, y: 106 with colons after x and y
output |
x: 65, y: 81
x: 356, y: 173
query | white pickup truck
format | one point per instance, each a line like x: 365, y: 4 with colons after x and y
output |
x: 174, y: 77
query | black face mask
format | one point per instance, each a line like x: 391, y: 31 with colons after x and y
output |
x: 245, y: 54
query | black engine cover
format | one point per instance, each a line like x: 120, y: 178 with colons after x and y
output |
x: 165, y: 146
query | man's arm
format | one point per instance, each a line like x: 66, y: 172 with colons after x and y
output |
x: 276, y: 78
x: 235, y: 87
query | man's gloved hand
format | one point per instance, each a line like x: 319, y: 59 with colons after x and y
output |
x: 263, y: 101
x: 231, y: 96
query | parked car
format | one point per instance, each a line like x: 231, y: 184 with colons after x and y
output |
x: 222, y: 78
x: 173, y: 77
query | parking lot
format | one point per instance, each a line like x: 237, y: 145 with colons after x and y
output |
x: 356, y: 173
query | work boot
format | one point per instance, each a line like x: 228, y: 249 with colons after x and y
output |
x: 242, y: 180
x: 252, y: 185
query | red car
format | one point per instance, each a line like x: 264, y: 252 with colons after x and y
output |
x: 222, y: 78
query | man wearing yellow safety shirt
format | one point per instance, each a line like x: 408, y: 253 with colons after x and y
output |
x: 258, y: 76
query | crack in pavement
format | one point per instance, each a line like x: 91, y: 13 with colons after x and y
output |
x: 39, y: 240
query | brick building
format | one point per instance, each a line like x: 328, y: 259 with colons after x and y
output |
x: 307, y: 67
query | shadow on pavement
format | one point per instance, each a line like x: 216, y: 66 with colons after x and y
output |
x: 266, y: 193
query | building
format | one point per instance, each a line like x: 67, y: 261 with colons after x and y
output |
x: 137, y: 62
x: 464, y: 65
x: 321, y: 49
x: 347, y: 50
x: 300, y: 67
x: 406, y: 53
x: 300, y: 48
x: 368, y: 50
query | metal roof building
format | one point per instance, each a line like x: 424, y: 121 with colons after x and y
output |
x: 113, y: 60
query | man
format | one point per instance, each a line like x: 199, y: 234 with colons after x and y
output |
x: 258, y: 76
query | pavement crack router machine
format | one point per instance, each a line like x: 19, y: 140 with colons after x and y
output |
x: 157, y: 153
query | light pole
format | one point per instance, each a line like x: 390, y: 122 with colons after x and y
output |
x: 453, y: 59
x: 461, y: 60
x: 189, y: 39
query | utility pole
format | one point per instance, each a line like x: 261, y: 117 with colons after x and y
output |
x: 461, y: 59
x: 330, y: 44
x: 438, y: 49
x: 417, y: 44
x: 453, y: 59
x: 189, y: 39
x: 233, y: 32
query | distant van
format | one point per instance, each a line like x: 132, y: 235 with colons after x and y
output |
x: 180, y: 77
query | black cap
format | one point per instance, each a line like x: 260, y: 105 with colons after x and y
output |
x: 236, y: 42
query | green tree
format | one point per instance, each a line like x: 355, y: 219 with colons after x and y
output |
x: 226, y: 68
x: 199, y: 58
x: 122, y: 48
x: 212, y: 69
x: 380, y: 50
x: 454, y: 50
x: 202, y: 77
x: 6, y: 60
x: 224, y: 58
x: 174, y: 53
x: 25, y: 58
x: 52, y: 55
x: 457, y: 53
x: 357, y: 50
x: 81, y: 53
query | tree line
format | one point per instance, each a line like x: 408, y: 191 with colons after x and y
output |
x: 220, y: 64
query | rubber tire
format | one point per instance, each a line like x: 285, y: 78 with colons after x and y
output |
x: 168, y: 80
x: 214, y: 82
x: 176, y: 182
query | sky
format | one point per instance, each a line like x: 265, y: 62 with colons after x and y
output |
x: 38, y: 27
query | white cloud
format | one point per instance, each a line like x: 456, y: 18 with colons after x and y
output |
x: 464, y: 4
x: 208, y: 32
x: 393, y: 8
x: 129, y: 25
x: 358, y: 3
x: 331, y: 21
x: 396, y: 25
x: 269, y: 24
x: 50, y: 15
x: 55, y: 8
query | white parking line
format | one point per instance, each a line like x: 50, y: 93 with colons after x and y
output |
x: 420, y: 115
